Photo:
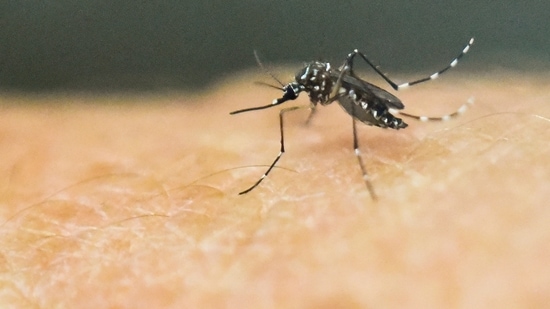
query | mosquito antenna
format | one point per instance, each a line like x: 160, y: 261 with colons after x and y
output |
x: 267, y: 85
x: 266, y: 70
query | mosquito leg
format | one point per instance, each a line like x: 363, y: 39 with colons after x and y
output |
x: 312, y: 113
x: 452, y: 64
x: 450, y: 116
x: 281, y: 151
x: 357, y: 152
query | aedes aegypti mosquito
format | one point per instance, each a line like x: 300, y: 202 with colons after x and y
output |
x: 362, y: 100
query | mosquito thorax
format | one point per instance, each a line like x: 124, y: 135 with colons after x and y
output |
x: 316, y: 80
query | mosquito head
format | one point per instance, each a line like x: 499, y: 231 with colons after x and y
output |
x: 290, y: 92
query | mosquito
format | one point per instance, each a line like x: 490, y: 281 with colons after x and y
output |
x: 362, y: 100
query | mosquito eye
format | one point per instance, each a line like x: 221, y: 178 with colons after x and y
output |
x: 291, y: 92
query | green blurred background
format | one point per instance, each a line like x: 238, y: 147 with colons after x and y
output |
x: 106, y: 45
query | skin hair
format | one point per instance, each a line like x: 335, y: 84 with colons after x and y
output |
x: 132, y: 201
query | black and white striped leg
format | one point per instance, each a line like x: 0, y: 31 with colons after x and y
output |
x: 450, y: 116
x: 282, y: 150
x: 357, y: 152
x: 348, y: 67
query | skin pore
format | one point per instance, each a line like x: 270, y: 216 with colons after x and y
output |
x: 131, y: 202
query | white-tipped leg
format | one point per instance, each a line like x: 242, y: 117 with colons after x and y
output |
x: 461, y: 110
x: 435, y: 75
x: 281, y: 113
x: 364, y: 173
x: 452, y: 64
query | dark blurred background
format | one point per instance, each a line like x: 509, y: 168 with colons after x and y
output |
x: 106, y: 45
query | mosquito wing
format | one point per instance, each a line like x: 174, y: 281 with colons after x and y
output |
x: 371, y: 93
x: 370, y: 104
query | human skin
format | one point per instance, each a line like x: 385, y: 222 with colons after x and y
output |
x: 132, y: 201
